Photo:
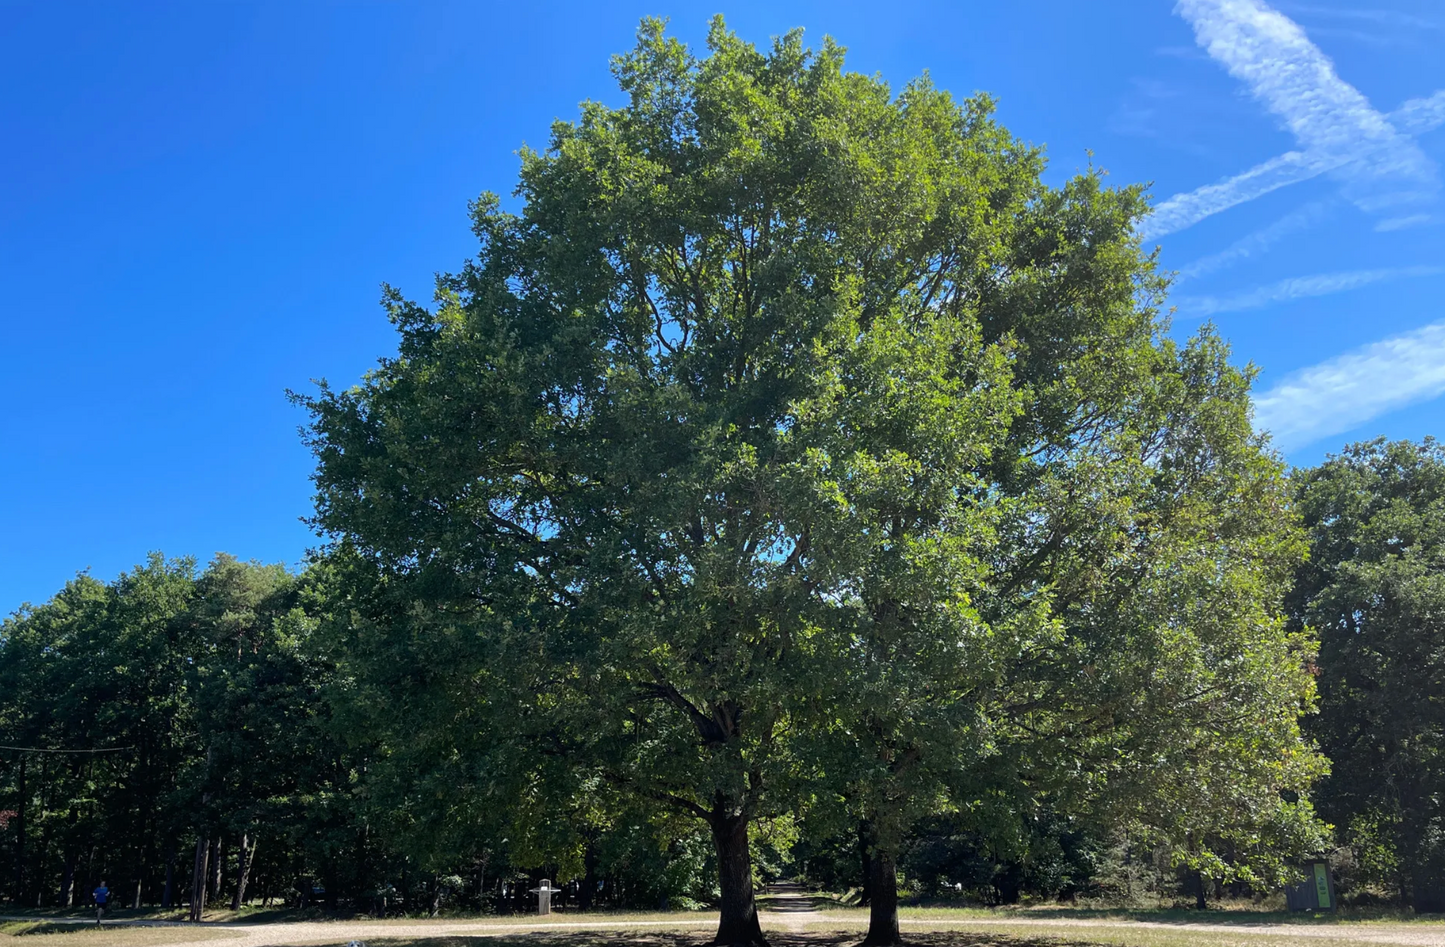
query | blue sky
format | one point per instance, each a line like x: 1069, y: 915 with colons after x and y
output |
x: 198, y: 202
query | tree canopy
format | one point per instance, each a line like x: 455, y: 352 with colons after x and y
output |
x: 791, y: 443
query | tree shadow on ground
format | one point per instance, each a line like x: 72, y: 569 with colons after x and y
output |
x: 277, y: 914
x: 1179, y: 916
x: 794, y: 905
x: 26, y: 928
x: 701, y: 939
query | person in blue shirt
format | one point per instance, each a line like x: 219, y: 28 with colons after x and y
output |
x: 101, y: 895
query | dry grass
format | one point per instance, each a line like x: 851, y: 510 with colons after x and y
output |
x: 1023, y: 934
x: 1122, y: 935
x: 958, y: 929
x: 46, y: 934
x: 1232, y: 914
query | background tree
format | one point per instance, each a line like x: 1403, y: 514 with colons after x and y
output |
x: 162, y: 710
x: 172, y: 712
x: 93, y: 686
x: 32, y: 675
x: 259, y: 714
x: 436, y: 701
x: 1374, y: 589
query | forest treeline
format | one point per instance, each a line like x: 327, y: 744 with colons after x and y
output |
x: 794, y: 482
x: 191, y: 708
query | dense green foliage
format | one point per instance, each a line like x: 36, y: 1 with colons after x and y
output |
x: 793, y: 483
x: 192, y: 711
x: 1374, y: 589
x: 172, y: 707
x: 795, y: 450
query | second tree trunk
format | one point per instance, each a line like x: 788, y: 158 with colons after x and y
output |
x: 883, y: 900
x: 244, y: 857
x: 738, y: 920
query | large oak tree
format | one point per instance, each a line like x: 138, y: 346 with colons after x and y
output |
x: 791, y: 434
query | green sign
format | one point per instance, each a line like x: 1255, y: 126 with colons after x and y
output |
x: 1322, y: 885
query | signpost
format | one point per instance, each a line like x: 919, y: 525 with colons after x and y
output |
x: 1316, y: 892
x: 1323, y: 892
x: 544, y: 893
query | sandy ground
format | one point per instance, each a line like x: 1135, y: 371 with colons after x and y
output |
x: 789, y: 908
x: 1398, y: 935
x: 241, y: 934
x: 796, y: 916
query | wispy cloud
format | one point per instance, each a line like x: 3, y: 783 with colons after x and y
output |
x: 1380, y: 39
x: 1138, y: 114
x: 1269, y: 53
x: 1339, y: 132
x: 1258, y: 242
x: 1404, y: 223
x: 1392, y: 18
x: 1179, y: 52
x: 1420, y: 115
x: 1300, y: 287
x: 1345, y: 392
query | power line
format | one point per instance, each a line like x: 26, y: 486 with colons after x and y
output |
x: 41, y: 749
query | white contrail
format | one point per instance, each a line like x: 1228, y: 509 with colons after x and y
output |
x: 1188, y: 209
x: 1345, y: 392
x: 1389, y: 18
x: 1299, y: 287
x: 1403, y: 223
x: 1338, y: 130
x: 1258, y: 242
x: 1291, y: 76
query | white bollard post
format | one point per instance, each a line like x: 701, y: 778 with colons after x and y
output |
x: 544, y: 893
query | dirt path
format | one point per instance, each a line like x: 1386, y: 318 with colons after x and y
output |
x: 790, y: 907
x: 783, y: 910
x: 241, y: 934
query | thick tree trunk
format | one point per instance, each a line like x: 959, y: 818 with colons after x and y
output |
x: 244, y: 856
x: 738, y: 921
x: 1200, y: 901
x: 198, y: 879
x: 883, y: 905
